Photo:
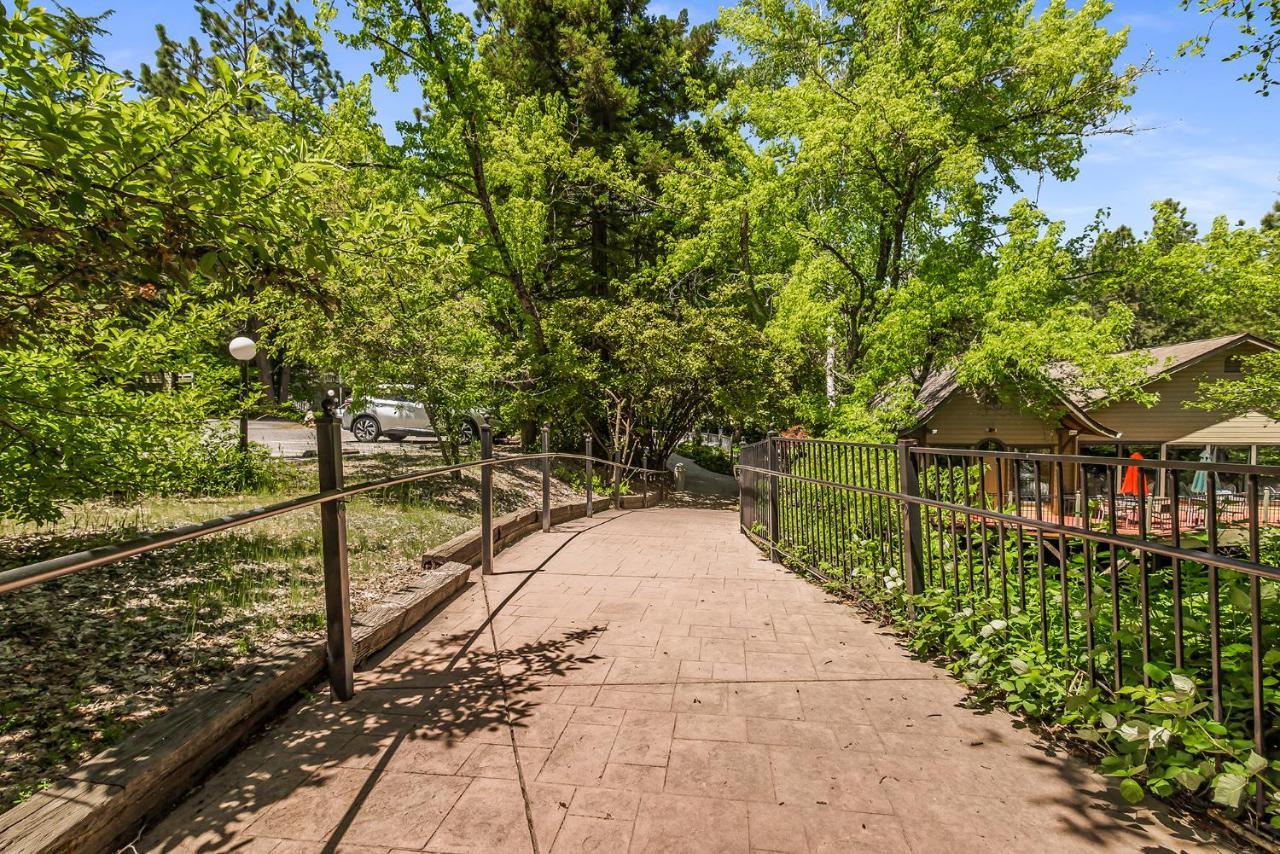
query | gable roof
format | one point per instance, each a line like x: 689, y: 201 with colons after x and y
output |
x: 1175, y: 357
x: 1166, y: 359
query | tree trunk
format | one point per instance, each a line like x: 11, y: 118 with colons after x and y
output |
x: 286, y: 372
x: 264, y: 375
x: 830, y: 368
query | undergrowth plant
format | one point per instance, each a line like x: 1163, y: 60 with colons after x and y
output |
x: 995, y: 613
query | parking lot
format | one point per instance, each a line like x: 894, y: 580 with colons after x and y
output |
x: 286, y: 439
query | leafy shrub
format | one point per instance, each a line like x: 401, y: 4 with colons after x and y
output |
x: 711, y: 459
x: 992, y: 614
x: 215, y: 465
x: 600, y: 484
x: 1160, y: 738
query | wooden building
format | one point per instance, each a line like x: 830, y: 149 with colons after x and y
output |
x: 948, y: 416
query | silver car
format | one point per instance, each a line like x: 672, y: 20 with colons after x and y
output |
x: 394, y: 415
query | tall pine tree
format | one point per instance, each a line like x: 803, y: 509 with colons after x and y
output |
x: 629, y: 77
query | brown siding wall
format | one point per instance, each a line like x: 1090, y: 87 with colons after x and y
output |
x: 964, y: 421
x: 1171, y: 421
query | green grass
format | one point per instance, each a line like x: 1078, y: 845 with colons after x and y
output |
x: 88, y: 658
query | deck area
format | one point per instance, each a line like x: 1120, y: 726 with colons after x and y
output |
x: 1152, y: 520
x: 644, y: 681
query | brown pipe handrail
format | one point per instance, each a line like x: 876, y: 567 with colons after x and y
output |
x: 333, y: 531
x: 914, y: 520
x: 1027, y: 456
x: 56, y: 567
x: 1042, y: 525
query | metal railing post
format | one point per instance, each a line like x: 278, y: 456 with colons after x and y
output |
x: 772, y: 465
x: 333, y: 540
x: 617, y: 480
x: 586, y: 440
x: 644, y: 479
x: 912, y: 547
x: 244, y: 413
x: 546, y: 478
x: 486, y: 501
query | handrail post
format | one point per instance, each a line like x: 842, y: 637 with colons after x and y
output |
x: 546, y: 478
x: 617, y: 479
x: 333, y: 540
x: 486, y: 501
x: 586, y: 440
x: 912, y: 548
x: 772, y: 465
x: 644, y: 478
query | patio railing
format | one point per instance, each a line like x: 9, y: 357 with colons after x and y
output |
x: 1121, y: 563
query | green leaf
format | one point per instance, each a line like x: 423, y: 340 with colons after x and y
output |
x: 1228, y: 789
x: 1131, y: 790
x: 1188, y: 779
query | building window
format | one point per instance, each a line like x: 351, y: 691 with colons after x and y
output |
x: 1232, y: 365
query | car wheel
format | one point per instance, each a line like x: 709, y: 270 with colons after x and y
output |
x: 467, y: 433
x: 365, y: 428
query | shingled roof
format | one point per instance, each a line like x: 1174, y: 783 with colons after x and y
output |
x: 1166, y: 359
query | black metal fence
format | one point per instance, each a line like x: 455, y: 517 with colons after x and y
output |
x: 1127, y: 567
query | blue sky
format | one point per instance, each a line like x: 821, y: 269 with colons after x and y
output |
x: 1205, y: 138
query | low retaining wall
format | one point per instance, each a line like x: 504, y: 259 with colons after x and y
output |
x: 465, y: 548
x: 101, y: 804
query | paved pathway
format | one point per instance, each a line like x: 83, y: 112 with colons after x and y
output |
x: 657, y: 688
x: 702, y: 481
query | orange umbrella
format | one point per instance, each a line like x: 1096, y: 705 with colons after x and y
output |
x: 1134, y: 483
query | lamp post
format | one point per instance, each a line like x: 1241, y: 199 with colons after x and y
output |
x: 243, y: 349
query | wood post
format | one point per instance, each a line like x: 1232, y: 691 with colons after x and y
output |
x: 586, y: 440
x: 546, y: 478
x: 617, y: 480
x: 644, y: 479
x: 486, y: 501
x: 333, y: 540
x: 909, y: 481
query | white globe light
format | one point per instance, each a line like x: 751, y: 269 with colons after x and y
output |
x: 243, y: 348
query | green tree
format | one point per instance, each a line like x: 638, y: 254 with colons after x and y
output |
x: 125, y: 229
x: 1182, y: 285
x: 77, y: 33
x: 395, y: 310
x: 541, y: 149
x: 286, y: 42
x: 1271, y: 219
x: 628, y: 79
x: 1257, y: 391
x: 275, y: 37
x: 884, y: 132
x: 1258, y: 22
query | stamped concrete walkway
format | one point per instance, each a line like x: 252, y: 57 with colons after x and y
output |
x: 647, y: 683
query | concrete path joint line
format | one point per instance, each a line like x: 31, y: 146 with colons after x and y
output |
x: 647, y: 682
